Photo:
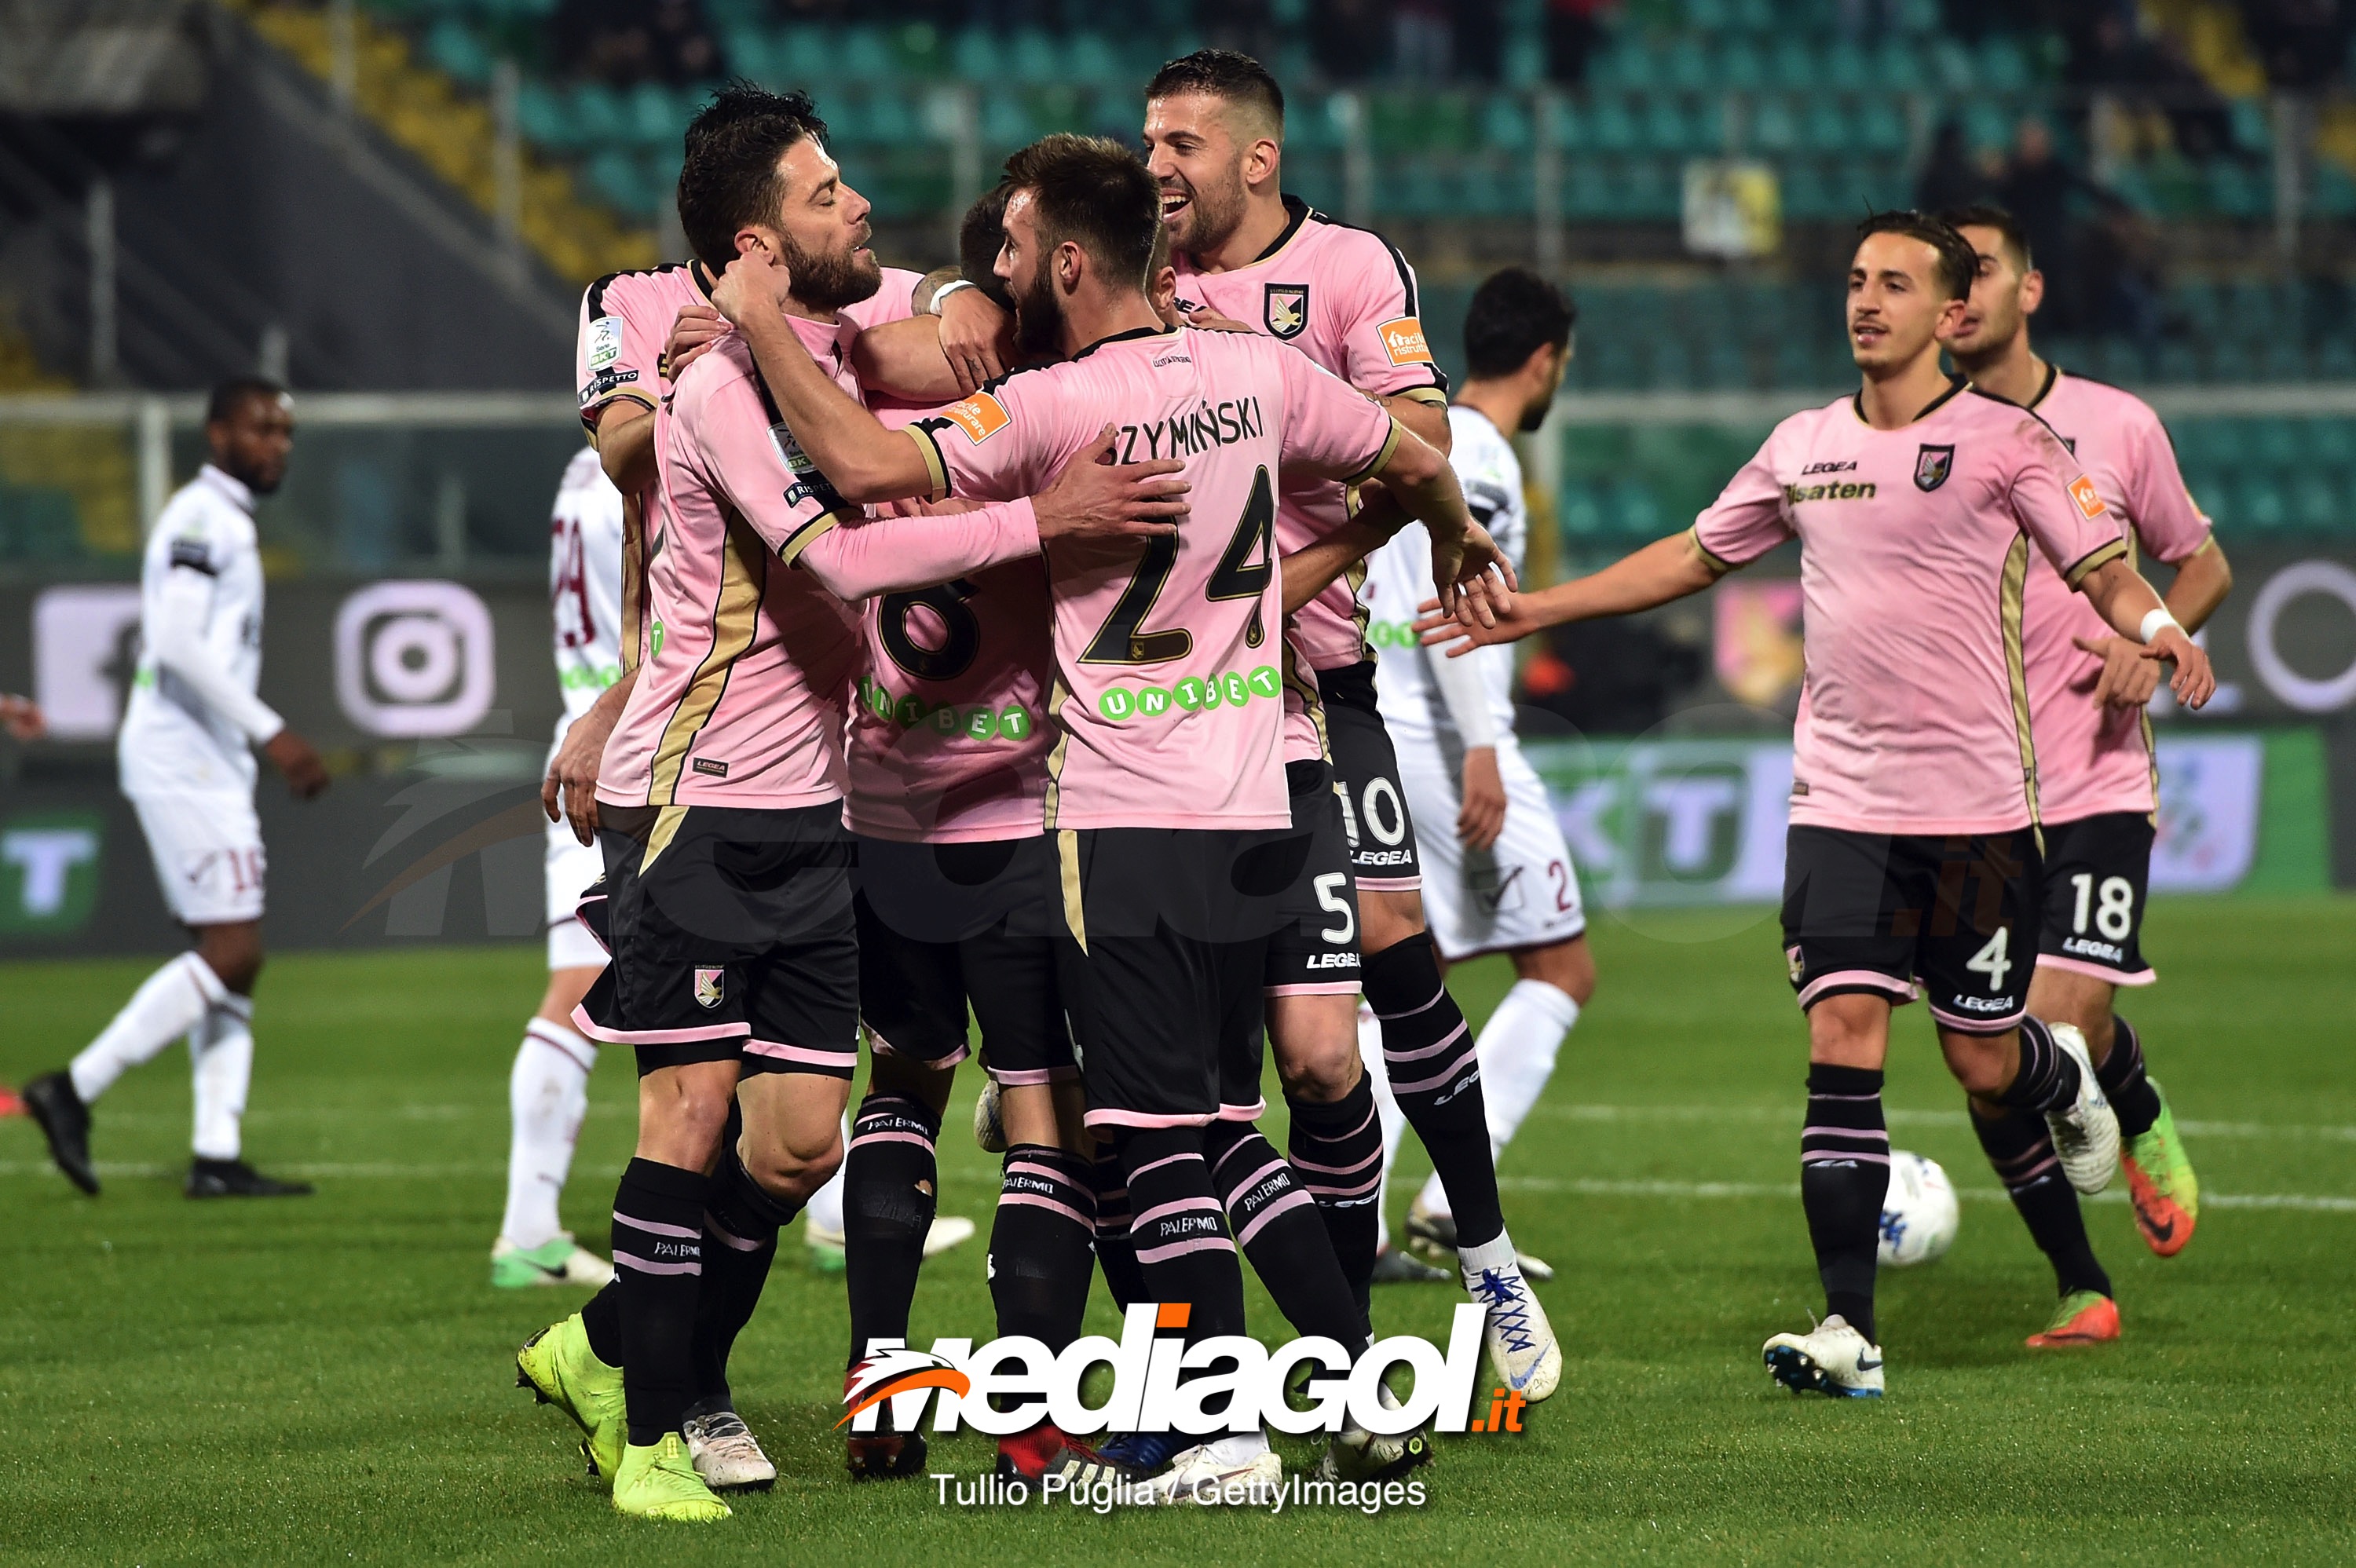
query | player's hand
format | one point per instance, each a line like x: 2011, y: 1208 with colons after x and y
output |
x: 755, y: 280
x: 292, y: 756
x: 2194, y: 681
x: 1438, y: 627
x: 1209, y: 320
x: 569, y: 793
x: 2128, y: 679
x: 1474, y: 578
x: 1483, y: 814
x: 22, y: 717
x: 977, y: 337
x: 697, y: 328
x: 1094, y: 497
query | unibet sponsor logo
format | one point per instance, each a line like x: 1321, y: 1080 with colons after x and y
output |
x: 975, y: 722
x: 1403, y: 341
x: 1392, y: 633
x: 1844, y: 492
x: 589, y: 677
x: 1192, y: 695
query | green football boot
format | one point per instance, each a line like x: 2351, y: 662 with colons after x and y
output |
x: 559, y: 1368
x: 2160, y: 1182
x: 660, y: 1481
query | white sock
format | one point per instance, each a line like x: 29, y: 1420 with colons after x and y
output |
x: 825, y: 1207
x: 171, y: 1002
x: 548, y: 1093
x: 1516, y: 1048
x: 1394, y: 1120
x: 221, y: 1069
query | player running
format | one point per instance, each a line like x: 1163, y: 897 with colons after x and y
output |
x: 734, y: 974
x: 1166, y: 780
x: 185, y: 752
x: 1912, y: 854
x: 1249, y: 253
x: 1497, y: 876
x: 2097, y: 778
x: 548, y: 1088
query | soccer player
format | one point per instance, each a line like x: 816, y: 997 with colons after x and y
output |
x: 1497, y: 876
x: 1246, y: 251
x: 1912, y: 852
x: 2095, y: 777
x: 548, y: 1088
x: 733, y: 972
x: 186, y: 763
x: 1166, y: 782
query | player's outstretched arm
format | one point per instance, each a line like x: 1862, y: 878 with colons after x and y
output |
x: 906, y: 360
x: 625, y: 445
x: 2129, y: 679
x: 2134, y: 608
x: 569, y: 793
x: 1665, y: 569
x: 1463, y: 554
x: 864, y: 461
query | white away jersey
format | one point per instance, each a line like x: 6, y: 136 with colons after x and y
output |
x: 1398, y: 578
x: 585, y: 583
x: 172, y: 741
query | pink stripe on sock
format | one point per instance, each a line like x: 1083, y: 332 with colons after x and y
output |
x: 1293, y: 1199
x: 1165, y: 1159
x: 1033, y: 1200
x: 1390, y: 1056
x: 1182, y: 1206
x: 1463, y: 1065
x: 646, y: 1266
x: 1257, y: 1176
x: 727, y: 1237
x: 1180, y: 1249
x: 1834, y: 1156
x: 1388, y: 1018
x: 1301, y: 1164
x: 922, y: 1142
x: 656, y: 1227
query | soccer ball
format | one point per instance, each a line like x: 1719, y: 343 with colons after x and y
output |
x: 1919, y: 1215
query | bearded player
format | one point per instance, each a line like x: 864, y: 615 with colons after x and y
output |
x: 2096, y: 776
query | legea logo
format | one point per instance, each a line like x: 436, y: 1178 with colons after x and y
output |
x: 1231, y: 1383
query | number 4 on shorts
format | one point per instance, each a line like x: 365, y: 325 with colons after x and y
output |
x: 1992, y: 960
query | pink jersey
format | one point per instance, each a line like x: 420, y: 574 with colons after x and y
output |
x: 1346, y: 298
x: 2093, y: 760
x: 1168, y: 692
x: 744, y: 696
x: 1916, y: 551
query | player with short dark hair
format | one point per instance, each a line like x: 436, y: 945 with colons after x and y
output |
x: 1497, y: 874
x: 1166, y: 789
x: 1249, y: 253
x: 1913, y: 852
x: 186, y: 752
x: 727, y: 906
x: 2096, y: 777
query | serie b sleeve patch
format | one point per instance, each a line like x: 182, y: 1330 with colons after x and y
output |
x: 2090, y: 504
x: 981, y: 416
x: 1403, y: 341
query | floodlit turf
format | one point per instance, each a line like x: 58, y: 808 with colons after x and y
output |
x: 327, y: 1380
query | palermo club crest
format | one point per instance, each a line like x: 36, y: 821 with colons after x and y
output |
x: 710, y: 985
x: 1285, y: 309
x: 1932, y: 466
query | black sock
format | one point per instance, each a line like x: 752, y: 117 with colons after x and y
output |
x: 741, y: 1222
x: 1116, y: 1252
x: 889, y: 1196
x: 1039, y: 1246
x: 1180, y: 1229
x: 658, y: 1263
x: 2021, y: 1150
x: 2121, y: 1075
x: 1277, y: 1225
x: 2048, y: 1079
x: 1844, y: 1176
x: 602, y: 1318
x: 1336, y: 1152
x: 1436, y: 1079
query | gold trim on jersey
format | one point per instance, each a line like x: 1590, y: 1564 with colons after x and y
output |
x: 666, y: 828
x: 589, y: 415
x: 1717, y: 562
x: 809, y: 533
x: 1433, y: 395
x: 1057, y: 694
x: 1375, y: 466
x: 2010, y: 606
x: 1068, y: 855
x: 2101, y: 555
x: 735, y: 620
x: 634, y: 581
x: 937, y: 468
x: 1312, y: 699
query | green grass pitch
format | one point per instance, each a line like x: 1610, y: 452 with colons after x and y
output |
x: 328, y: 1379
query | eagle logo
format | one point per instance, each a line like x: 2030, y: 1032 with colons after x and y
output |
x: 1285, y: 310
x: 710, y: 985
x: 1932, y: 466
x: 897, y: 1370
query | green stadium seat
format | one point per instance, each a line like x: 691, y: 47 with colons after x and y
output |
x: 2263, y: 505
x: 1634, y: 512
x: 1741, y: 68
x: 1707, y: 15
x: 867, y: 56
x: 1611, y: 128
x: 1629, y: 66
x: 976, y: 56
x: 1506, y: 124
x: 1881, y: 126
x: 1689, y: 67
x: 540, y: 116
x: 1666, y: 128
x: 1578, y: 511
x: 2254, y: 131
x: 2003, y: 65
x: 1774, y: 127
x: 2318, y: 504
x: 1844, y: 66
x: 1035, y: 59
x: 455, y: 46
x: 1828, y: 128
x: 1656, y: 190
x: 1005, y: 122
x: 1954, y: 68
x: 598, y: 119
x: 650, y: 116
x: 1898, y: 67
x: 1091, y: 58
x: 1987, y: 124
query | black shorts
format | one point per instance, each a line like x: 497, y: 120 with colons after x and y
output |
x: 1161, y: 955
x: 1373, y: 802
x: 1315, y: 951
x: 733, y: 939
x: 2096, y: 869
x: 1882, y: 913
x: 945, y: 925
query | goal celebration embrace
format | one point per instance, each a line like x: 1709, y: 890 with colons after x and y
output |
x: 1179, y: 876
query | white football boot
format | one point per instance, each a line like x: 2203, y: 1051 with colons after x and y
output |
x: 1520, y: 1340
x: 1832, y: 1359
x: 725, y: 1454
x: 948, y: 1230
x: 1242, y: 1460
x: 1355, y: 1454
x: 989, y: 1124
x: 2086, y: 1135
